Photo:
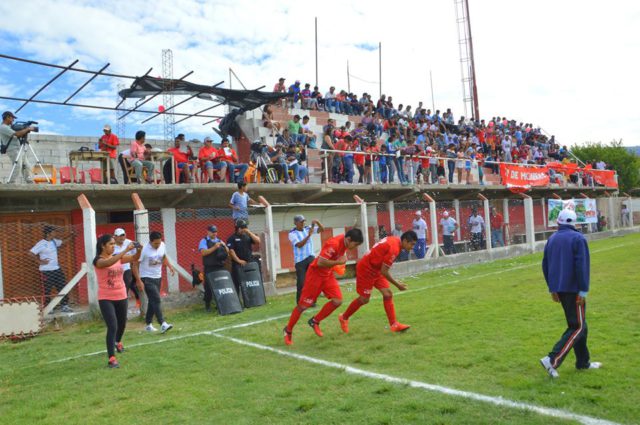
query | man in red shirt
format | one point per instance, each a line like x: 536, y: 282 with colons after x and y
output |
x: 497, y: 221
x: 181, y: 157
x: 373, y: 271
x: 320, y: 278
x: 229, y: 156
x: 209, y: 158
x: 109, y: 143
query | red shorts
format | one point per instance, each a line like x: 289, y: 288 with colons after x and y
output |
x: 367, y: 279
x: 314, y: 285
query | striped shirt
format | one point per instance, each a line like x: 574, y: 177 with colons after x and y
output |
x: 295, y: 236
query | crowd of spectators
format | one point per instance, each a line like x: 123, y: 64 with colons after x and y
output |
x: 398, y: 144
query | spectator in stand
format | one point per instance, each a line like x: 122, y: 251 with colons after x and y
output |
x: 308, y: 101
x: 420, y: 227
x: 294, y: 91
x: 309, y: 136
x: 407, y: 113
x: 303, y: 253
x: 381, y: 107
x: 359, y: 147
x: 210, y: 160
x: 268, y: 121
x: 152, y: 259
x: 315, y: 94
x: 137, y: 152
x: 182, y: 154
x: 280, y: 87
x: 460, y: 163
x: 46, y: 253
x: 109, y: 143
x: 279, y: 160
x: 239, y: 203
x: 112, y: 291
x: 347, y: 158
x: 342, y: 106
x: 295, y: 129
x: 230, y: 157
x: 328, y: 143
x: 294, y: 162
x: 497, y: 224
x: 476, y: 229
x: 382, y: 161
x: 448, y: 226
x: 330, y: 100
x: 214, y: 254
x: 451, y: 161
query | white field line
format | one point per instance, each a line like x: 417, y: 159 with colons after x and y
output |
x: 497, y: 401
x: 282, y: 316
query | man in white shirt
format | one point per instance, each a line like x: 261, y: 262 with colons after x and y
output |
x: 448, y: 226
x: 303, y: 252
x: 476, y: 227
x: 120, y: 236
x: 46, y: 253
x: 152, y: 258
x: 420, y: 227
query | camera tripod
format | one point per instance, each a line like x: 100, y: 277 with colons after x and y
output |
x: 24, y: 145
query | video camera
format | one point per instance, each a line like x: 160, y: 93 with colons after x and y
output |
x: 21, y: 125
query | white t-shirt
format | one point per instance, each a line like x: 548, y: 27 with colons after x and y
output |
x: 476, y: 223
x: 119, y: 248
x: 47, y: 250
x: 448, y: 226
x: 420, y: 227
x: 151, y: 261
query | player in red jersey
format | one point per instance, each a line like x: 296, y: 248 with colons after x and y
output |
x: 372, y: 271
x: 320, y: 278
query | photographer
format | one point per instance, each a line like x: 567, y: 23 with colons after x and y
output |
x: 279, y: 162
x: 11, y: 146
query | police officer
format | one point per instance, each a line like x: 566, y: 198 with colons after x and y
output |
x: 214, y: 255
x: 566, y: 269
x: 300, y: 237
x: 240, y: 246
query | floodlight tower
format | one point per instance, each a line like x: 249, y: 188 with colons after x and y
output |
x: 121, y: 125
x: 467, y: 64
x: 167, y: 96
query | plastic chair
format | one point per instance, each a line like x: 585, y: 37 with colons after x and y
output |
x: 95, y: 175
x: 65, y: 175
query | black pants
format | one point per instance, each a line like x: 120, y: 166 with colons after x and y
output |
x: 114, y: 314
x: 576, y: 334
x: 54, y: 279
x: 152, y: 289
x: 449, y: 248
x: 130, y: 282
x: 301, y: 274
x: 476, y: 241
x: 208, y: 289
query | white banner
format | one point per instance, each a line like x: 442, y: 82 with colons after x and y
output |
x: 585, y: 209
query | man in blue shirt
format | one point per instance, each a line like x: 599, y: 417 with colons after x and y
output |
x: 239, y: 203
x: 300, y: 237
x: 214, y: 255
x: 566, y: 269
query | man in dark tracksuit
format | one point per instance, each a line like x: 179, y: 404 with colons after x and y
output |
x: 566, y: 269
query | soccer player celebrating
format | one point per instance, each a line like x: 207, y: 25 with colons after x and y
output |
x: 320, y: 278
x: 373, y: 271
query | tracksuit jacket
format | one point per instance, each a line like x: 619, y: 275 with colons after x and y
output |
x: 566, y: 261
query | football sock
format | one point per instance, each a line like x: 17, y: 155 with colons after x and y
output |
x: 353, y: 307
x: 390, y: 309
x: 326, y: 310
x: 295, y: 316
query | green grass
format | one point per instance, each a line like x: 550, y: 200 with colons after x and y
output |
x: 480, y: 328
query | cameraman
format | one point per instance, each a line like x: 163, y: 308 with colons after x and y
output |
x: 11, y: 146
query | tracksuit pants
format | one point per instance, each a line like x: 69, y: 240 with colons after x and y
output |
x: 576, y: 334
x: 301, y: 274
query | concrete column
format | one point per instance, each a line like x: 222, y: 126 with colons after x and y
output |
x: 543, y: 202
x: 613, y: 218
x: 434, y: 228
x: 392, y: 216
x: 487, y: 223
x: 505, y: 216
x: 364, y: 221
x: 456, y: 207
x: 169, y: 226
x: 630, y: 208
x: 271, y: 243
x: 1, y: 280
x: 529, y: 223
x: 90, y: 241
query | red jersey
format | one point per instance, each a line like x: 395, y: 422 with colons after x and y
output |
x: 112, y: 140
x: 384, y: 252
x: 497, y: 221
x: 332, y: 249
x: 178, y: 156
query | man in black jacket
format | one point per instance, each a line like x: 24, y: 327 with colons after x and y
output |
x: 240, y: 246
x: 214, y: 255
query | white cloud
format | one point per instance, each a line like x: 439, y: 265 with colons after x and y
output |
x: 567, y: 66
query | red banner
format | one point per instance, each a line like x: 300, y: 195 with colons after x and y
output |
x: 606, y: 178
x: 516, y: 175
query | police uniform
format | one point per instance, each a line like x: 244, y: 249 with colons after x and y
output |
x: 241, y: 244
x: 212, y: 262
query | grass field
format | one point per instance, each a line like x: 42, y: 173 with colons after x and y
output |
x: 479, y: 329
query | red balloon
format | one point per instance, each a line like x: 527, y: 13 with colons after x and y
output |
x: 160, y: 108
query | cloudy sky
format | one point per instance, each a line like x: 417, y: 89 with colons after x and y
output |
x: 567, y: 66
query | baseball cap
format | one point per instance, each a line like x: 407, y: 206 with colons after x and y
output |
x: 567, y: 216
x: 445, y: 214
x: 418, y: 212
x: 298, y: 218
x: 241, y: 223
x: 281, y: 78
x: 119, y: 232
x: 212, y: 229
x: 6, y: 114
x: 107, y: 127
x: 208, y: 139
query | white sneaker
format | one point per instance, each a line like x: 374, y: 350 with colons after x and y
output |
x: 150, y: 328
x: 546, y: 363
x: 595, y: 365
x: 165, y: 327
